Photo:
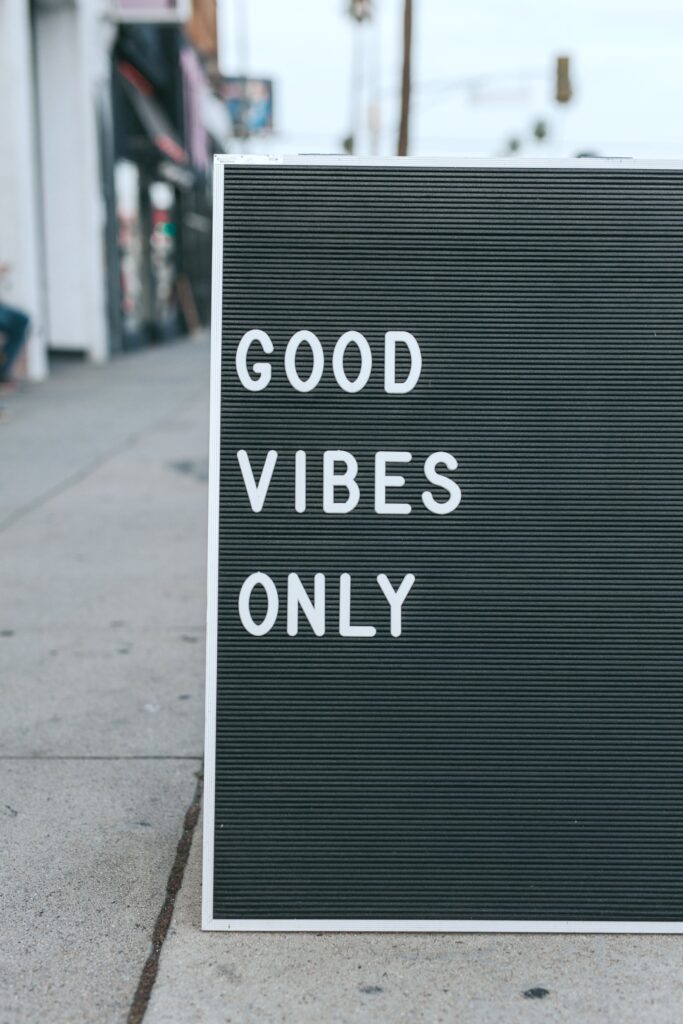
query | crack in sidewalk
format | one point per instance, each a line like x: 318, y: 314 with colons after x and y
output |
x: 148, y: 975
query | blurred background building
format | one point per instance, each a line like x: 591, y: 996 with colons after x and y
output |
x: 110, y: 111
x: 109, y: 117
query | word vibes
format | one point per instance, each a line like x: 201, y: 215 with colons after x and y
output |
x: 301, y: 608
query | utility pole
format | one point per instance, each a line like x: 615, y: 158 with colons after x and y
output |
x: 405, y: 78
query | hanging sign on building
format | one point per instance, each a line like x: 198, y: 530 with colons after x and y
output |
x: 445, y: 643
x: 249, y: 103
x: 150, y: 11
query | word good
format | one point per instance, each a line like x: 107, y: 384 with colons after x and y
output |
x: 259, y: 375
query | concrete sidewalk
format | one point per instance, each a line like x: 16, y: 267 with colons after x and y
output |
x: 102, y: 548
x: 103, y: 513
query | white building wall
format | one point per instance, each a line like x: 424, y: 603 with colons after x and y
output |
x: 71, y: 42
x: 20, y: 240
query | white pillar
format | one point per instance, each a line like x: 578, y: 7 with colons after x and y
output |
x: 71, y: 53
x: 20, y: 239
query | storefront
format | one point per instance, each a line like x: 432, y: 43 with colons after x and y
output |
x: 105, y: 172
x: 161, y: 175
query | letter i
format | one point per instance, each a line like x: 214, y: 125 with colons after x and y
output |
x: 300, y: 481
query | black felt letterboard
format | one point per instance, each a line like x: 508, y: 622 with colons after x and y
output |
x: 516, y: 754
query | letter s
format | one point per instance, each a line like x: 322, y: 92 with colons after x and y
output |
x: 439, y: 480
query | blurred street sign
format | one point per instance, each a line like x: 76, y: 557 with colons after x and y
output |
x: 563, y: 85
x: 249, y: 102
x: 445, y: 588
x: 360, y: 10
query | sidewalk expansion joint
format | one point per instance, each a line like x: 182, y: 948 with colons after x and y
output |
x: 149, y: 972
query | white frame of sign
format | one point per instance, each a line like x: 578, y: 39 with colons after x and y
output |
x: 209, y: 923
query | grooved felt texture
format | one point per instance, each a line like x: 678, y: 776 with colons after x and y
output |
x: 518, y: 752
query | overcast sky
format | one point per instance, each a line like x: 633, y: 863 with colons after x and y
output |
x: 627, y: 62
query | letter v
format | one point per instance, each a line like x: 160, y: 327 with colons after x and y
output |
x: 257, y: 491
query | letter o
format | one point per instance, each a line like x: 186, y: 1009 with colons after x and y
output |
x: 290, y: 360
x: 260, y: 628
x: 352, y: 386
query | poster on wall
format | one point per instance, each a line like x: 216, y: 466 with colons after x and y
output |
x: 445, y: 587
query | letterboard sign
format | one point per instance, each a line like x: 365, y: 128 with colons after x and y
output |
x: 445, y: 629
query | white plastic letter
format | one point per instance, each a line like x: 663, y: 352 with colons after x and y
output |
x: 300, y: 481
x: 345, y: 627
x: 332, y: 480
x: 396, y: 598
x: 382, y: 481
x: 351, y: 386
x: 261, y: 628
x: 298, y: 598
x: 439, y: 480
x: 262, y: 370
x: 257, y: 491
x: 391, y: 385
x: 290, y: 360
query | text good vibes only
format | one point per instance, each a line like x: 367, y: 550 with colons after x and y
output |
x: 340, y: 490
